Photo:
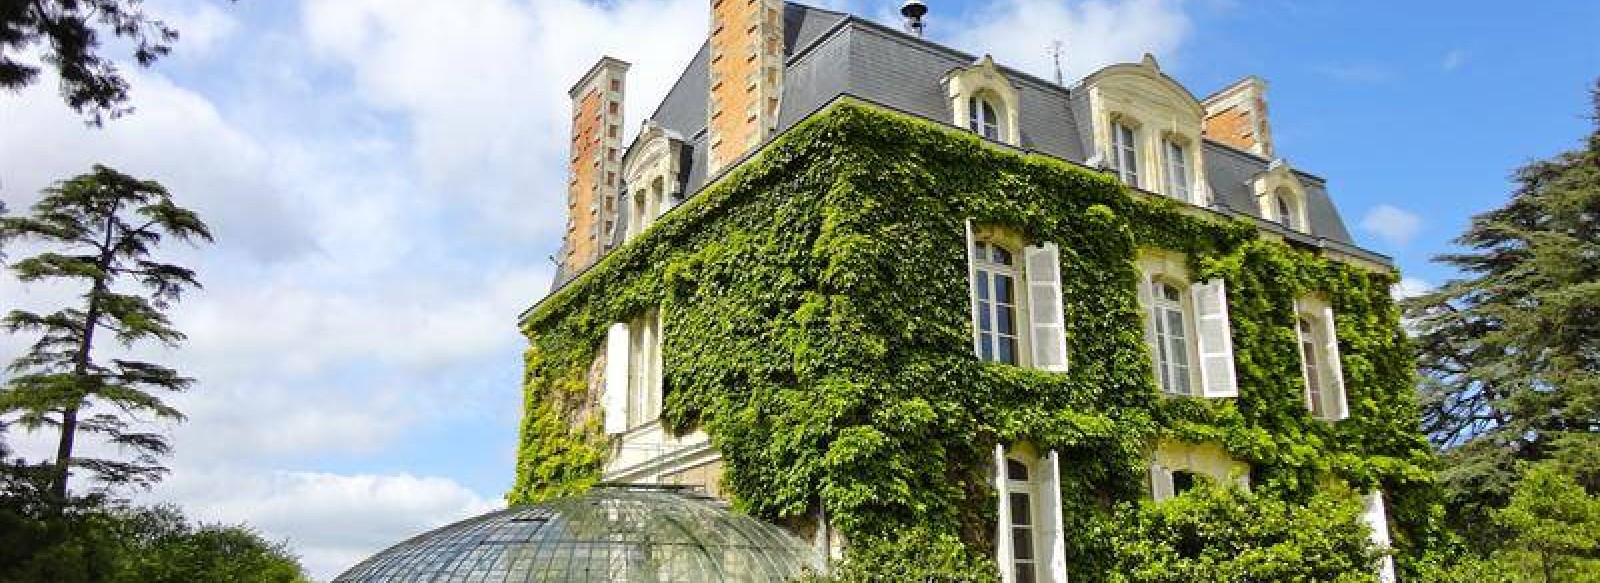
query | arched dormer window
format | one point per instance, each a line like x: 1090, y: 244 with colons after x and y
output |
x: 983, y: 118
x: 1282, y: 197
x: 651, y: 167
x: 984, y: 101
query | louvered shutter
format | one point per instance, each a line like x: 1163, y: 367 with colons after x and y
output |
x: 1341, y: 409
x: 1160, y: 483
x: 1377, y: 519
x: 972, y: 294
x: 1215, y: 340
x: 1055, y: 529
x: 1047, y: 324
x: 1003, y: 546
x: 1147, y: 303
x: 1300, y: 348
x: 614, y: 397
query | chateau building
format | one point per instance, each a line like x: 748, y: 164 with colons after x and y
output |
x: 647, y: 366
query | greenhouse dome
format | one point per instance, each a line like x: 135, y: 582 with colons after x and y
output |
x: 611, y: 533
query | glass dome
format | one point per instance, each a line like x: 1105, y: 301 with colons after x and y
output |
x: 611, y: 533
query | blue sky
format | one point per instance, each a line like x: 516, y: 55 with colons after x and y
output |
x: 386, y: 178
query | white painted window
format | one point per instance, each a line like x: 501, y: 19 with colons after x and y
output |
x: 1171, y: 320
x: 1287, y: 208
x: 994, y: 288
x: 1177, y: 171
x: 1125, y: 153
x: 1177, y: 467
x: 1032, y: 546
x: 1319, y: 360
x: 644, y: 363
x: 983, y: 118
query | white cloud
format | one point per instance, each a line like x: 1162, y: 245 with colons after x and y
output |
x: 1094, y: 34
x: 1394, y: 225
x: 332, y: 520
x: 1410, y: 287
x: 202, y: 25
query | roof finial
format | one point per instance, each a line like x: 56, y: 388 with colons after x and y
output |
x: 1055, y: 54
x: 913, y: 11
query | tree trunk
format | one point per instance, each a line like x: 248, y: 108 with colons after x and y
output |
x: 80, y: 369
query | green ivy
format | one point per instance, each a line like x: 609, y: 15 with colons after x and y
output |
x: 816, y: 312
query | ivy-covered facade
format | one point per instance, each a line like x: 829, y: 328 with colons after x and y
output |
x: 819, y: 334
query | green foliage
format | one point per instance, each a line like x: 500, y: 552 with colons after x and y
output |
x: 1553, y: 527
x: 99, y: 230
x: 815, y: 304
x: 91, y: 540
x: 1220, y: 534
x: 1511, y: 352
x: 70, y: 31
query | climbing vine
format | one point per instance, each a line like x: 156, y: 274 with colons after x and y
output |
x: 816, y: 319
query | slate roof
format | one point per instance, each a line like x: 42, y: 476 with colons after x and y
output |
x: 830, y: 54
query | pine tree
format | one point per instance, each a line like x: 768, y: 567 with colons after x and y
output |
x: 1511, y: 353
x: 100, y: 229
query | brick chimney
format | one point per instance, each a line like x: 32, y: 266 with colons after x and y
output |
x: 592, y: 177
x: 746, y: 76
x: 1237, y: 116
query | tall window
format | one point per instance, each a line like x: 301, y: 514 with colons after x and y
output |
x: 1313, y: 370
x: 1124, y: 151
x: 644, y: 362
x: 1024, y: 526
x: 1172, y: 338
x: 994, y: 281
x: 1177, y: 171
x: 982, y: 118
x: 1284, y: 204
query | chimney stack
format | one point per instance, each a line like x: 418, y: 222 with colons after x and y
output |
x: 592, y: 176
x: 1237, y: 116
x: 746, y: 77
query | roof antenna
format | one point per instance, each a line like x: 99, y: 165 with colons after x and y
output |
x: 1055, y: 54
x: 913, y: 11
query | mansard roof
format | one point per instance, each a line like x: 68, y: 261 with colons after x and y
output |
x: 829, y: 54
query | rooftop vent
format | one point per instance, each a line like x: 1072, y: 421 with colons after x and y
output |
x: 913, y: 10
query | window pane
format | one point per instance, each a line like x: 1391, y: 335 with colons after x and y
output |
x: 1025, y: 573
x: 1002, y: 255
x: 1182, y: 482
x: 1016, y: 470
x: 1008, y: 350
x: 1022, y: 546
x: 983, y: 285
x: 1021, y: 509
x: 1007, y: 324
x: 1002, y: 289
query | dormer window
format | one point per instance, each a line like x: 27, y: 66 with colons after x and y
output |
x: 983, y: 118
x: 1177, y: 159
x: 983, y: 100
x: 1125, y: 152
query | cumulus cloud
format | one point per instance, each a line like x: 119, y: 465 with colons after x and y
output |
x: 332, y: 520
x: 1094, y: 34
x: 1410, y: 287
x: 1392, y: 224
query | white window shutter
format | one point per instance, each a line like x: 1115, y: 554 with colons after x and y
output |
x: 1341, y: 408
x: 1003, y: 547
x: 1147, y: 303
x: 614, y: 397
x: 972, y: 292
x: 1161, y: 487
x: 1377, y: 519
x: 1300, y: 348
x: 1047, y: 322
x: 1215, y: 339
x: 1054, y: 526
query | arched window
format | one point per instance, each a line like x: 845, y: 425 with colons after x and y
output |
x: 1024, y: 522
x: 1313, y: 370
x: 1170, y: 316
x: 994, y: 282
x: 1125, y: 152
x: 1287, y: 208
x: 983, y: 118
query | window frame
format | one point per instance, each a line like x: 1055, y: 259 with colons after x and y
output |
x: 1179, y: 180
x: 1125, y: 151
x: 983, y: 117
x: 1160, y: 312
x: 644, y: 389
x: 1325, y: 393
x: 1028, y: 489
x: 983, y: 285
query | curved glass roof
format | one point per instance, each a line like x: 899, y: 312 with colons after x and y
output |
x: 608, y: 534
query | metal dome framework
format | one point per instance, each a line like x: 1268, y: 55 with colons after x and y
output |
x: 610, y: 534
